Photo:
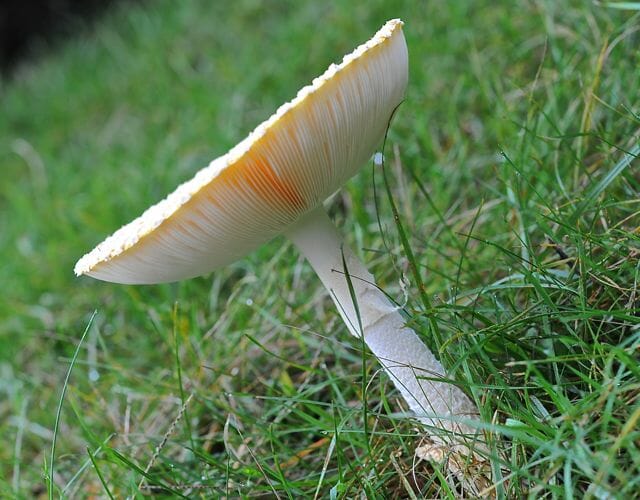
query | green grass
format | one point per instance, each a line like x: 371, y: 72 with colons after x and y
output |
x: 512, y: 166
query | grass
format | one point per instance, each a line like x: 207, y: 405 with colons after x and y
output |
x: 512, y: 167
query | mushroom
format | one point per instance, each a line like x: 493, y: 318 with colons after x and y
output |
x: 274, y: 182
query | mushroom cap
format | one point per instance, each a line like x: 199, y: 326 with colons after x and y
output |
x: 287, y: 166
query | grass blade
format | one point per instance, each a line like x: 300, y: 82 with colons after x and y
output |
x: 59, y: 409
x: 604, y: 183
x: 621, y: 5
x: 99, y: 473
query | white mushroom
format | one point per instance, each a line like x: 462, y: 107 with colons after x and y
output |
x: 274, y: 182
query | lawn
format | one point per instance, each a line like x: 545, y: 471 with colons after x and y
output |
x: 512, y: 166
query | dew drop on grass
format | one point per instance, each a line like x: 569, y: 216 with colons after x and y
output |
x: 378, y: 159
x: 249, y: 302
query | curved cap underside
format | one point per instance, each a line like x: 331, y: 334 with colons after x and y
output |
x: 288, y: 165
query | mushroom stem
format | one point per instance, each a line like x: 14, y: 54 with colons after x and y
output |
x: 413, y: 368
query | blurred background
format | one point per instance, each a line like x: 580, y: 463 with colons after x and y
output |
x: 514, y: 111
x: 28, y: 28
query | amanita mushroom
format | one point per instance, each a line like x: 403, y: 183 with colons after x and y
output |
x: 274, y: 182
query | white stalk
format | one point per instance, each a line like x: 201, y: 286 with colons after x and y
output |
x: 413, y: 368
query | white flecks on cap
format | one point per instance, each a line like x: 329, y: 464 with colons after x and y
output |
x: 288, y: 165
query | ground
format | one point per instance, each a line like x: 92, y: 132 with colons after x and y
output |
x: 512, y: 169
